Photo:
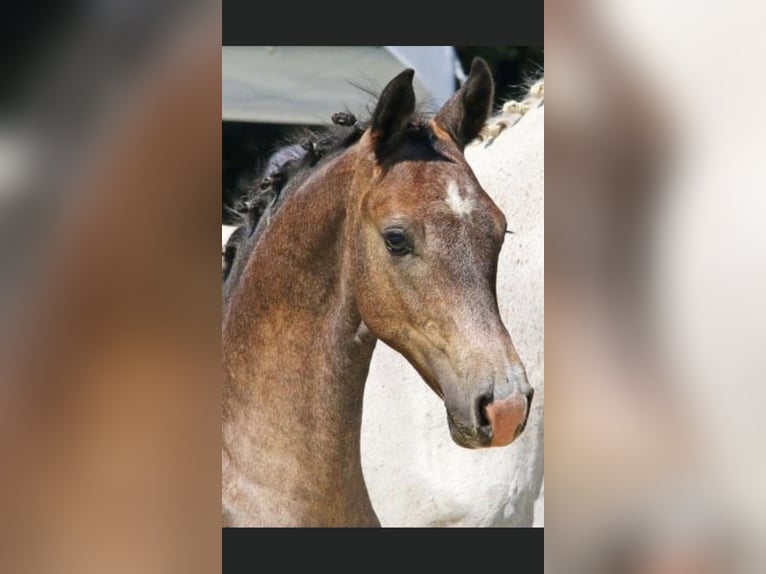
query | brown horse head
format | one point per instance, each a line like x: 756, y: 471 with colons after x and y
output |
x: 425, y: 240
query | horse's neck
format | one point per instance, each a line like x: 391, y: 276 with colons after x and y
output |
x: 296, y: 358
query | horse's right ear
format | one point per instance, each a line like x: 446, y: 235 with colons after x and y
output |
x: 393, y: 111
x: 467, y: 110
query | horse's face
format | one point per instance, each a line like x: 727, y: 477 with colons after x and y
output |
x: 426, y: 246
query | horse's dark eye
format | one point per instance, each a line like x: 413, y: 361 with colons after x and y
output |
x: 396, y: 243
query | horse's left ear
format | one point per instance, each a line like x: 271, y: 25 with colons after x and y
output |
x: 466, y: 112
x: 393, y: 112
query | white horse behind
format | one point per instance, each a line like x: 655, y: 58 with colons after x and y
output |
x: 416, y: 475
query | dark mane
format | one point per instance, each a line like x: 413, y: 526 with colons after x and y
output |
x: 306, y: 150
x: 266, y: 189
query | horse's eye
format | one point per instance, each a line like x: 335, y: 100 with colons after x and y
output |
x: 396, y: 242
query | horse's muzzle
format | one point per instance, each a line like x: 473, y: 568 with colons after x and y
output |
x: 494, y: 422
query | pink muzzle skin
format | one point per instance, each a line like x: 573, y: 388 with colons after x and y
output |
x: 507, y: 418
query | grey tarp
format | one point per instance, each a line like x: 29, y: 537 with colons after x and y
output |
x: 307, y: 84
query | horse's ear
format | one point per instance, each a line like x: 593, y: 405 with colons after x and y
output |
x: 466, y: 112
x: 393, y: 111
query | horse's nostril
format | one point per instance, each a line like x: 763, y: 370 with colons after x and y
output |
x: 523, y: 424
x: 483, y: 401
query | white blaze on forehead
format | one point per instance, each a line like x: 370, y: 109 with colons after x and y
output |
x: 459, y: 204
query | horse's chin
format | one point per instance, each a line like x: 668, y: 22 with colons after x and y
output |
x: 463, y: 436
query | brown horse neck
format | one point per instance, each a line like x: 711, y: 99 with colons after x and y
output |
x: 299, y: 410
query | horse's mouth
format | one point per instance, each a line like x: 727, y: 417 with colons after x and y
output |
x: 469, y: 437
